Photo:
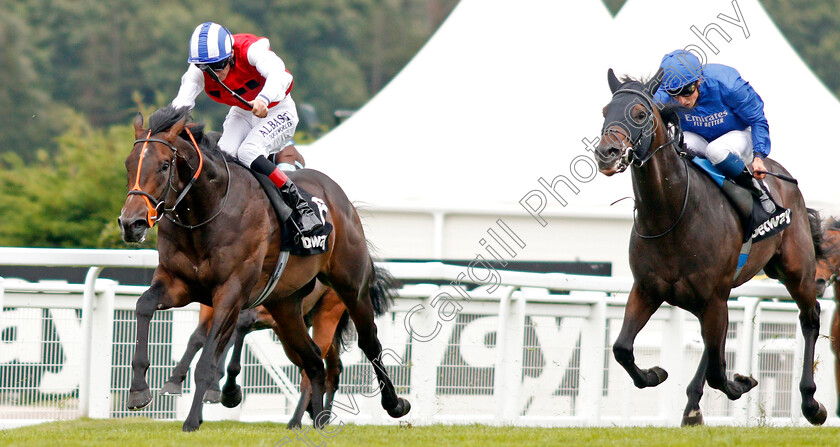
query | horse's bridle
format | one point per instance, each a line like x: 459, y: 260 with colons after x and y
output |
x: 640, y: 137
x: 641, y: 141
x: 156, y: 207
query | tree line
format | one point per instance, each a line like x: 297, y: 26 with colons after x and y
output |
x: 76, y: 71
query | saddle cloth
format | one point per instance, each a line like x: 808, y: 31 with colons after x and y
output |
x: 313, y: 244
x: 757, y: 223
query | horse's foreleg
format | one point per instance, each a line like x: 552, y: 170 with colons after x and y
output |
x: 139, y: 395
x: 694, y: 391
x: 172, y: 386
x: 638, y: 311
x: 291, y: 330
x: 713, y: 325
x: 224, y: 321
x: 231, y: 392
x: 813, y: 411
x: 213, y: 395
x: 334, y: 368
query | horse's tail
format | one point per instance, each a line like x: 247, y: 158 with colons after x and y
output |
x: 816, y: 232
x: 382, y: 287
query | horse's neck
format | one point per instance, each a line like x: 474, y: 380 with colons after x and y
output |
x: 207, y: 191
x: 660, y: 186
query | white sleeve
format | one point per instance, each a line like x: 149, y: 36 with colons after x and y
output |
x: 272, y: 68
x: 192, y: 83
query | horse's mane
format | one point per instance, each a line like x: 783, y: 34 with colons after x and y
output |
x: 668, y: 111
x: 166, y: 117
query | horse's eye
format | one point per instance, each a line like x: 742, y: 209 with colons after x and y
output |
x: 641, y: 116
x: 164, y: 167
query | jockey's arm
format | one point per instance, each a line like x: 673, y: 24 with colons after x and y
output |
x: 192, y: 84
x: 272, y: 68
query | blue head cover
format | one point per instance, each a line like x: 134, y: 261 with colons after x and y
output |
x: 680, y: 68
x: 210, y: 42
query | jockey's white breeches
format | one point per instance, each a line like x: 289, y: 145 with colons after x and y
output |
x: 738, y: 142
x: 246, y: 137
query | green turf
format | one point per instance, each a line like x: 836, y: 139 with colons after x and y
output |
x: 146, y: 432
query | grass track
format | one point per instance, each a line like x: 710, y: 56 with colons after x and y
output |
x: 145, y: 432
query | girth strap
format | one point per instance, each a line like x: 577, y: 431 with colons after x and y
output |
x: 282, y: 261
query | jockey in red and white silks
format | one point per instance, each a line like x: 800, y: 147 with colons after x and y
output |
x: 245, y: 64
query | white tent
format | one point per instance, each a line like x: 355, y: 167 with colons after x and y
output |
x: 741, y: 34
x: 496, y: 108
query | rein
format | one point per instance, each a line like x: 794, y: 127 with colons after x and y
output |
x: 644, y: 139
x: 682, y: 211
x: 154, y: 205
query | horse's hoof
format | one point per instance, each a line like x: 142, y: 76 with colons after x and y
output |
x: 212, y: 396
x: 188, y: 426
x: 747, y: 382
x: 232, y: 399
x: 661, y: 375
x: 138, y: 400
x: 294, y: 424
x: 816, y: 418
x: 402, y: 409
x: 693, y: 418
x: 170, y: 389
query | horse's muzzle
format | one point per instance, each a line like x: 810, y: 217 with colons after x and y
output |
x: 133, y: 230
x: 607, y: 157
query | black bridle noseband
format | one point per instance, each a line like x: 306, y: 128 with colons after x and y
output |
x: 641, y: 139
x: 157, y: 206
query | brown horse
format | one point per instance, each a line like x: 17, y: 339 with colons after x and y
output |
x: 218, y: 245
x: 827, y: 270
x: 685, y: 245
x: 328, y: 317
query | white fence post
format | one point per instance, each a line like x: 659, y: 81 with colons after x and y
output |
x: 746, y: 358
x: 2, y: 292
x: 592, y: 356
x: 424, y: 330
x: 509, y: 345
x: 88, y: 303
x: 672, y: 358
x: 101, y: 348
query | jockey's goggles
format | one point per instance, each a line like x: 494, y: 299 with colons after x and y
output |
x: 685, y: 90
x: 216, y: 66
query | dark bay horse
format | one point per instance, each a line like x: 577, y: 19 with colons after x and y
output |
x: 827, y: 270
x: 218, y: 243
x: 326, y: 314
x: 685, y: 244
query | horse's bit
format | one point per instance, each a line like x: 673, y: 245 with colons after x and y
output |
x: 157, y: 206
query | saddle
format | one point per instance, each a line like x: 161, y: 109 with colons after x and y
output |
x: 313, y: 244
x: 757, y: 223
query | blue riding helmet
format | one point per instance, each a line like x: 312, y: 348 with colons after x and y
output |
x: 680, y: 68
x: 210, y: 43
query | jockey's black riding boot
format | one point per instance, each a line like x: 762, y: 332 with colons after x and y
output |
x: 309, y: 221
x: 746, y: 179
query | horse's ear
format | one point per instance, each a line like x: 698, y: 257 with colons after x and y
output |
x: 176, y: 130
x: 138, y: 125
x: 653, y: 85
x: 613, y: 81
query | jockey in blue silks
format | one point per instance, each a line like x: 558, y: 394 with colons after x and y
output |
x: 722, y: 116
